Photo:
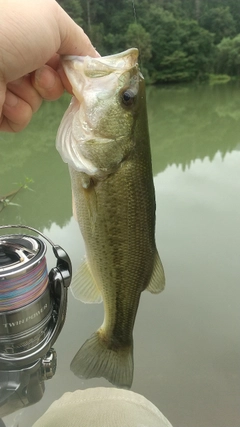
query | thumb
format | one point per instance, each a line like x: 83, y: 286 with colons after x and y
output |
x: 73, y: 39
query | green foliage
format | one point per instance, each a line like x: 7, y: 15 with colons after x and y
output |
x: 137, y: 36
x: 215, y: 79
x: 6, y: 199
x: 178, y: 40
x: 228, y: 56
x: 181, y: 49
x: 73, y: 8
x: 220, y: 22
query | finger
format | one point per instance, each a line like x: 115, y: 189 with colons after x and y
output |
x: 2, y: 95
x: 16, y: 113
x: 47, y: 83
x: 55, y: 63
x: 24, y: 89
x: 65, y: 80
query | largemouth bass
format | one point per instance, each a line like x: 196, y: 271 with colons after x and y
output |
x: 104, y: 139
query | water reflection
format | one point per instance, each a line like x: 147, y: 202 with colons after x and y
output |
x: 192, y: 122
x: 198, y: 228
x: 187, y: 349
x: 32, y: 154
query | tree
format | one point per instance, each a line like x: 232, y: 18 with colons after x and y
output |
x: 181, y: 49
x: 228, y: 56
x: 73, y: 8
x: 177, y: 39
x: 219, y: 21
x: 161, y: 25
x: 137, y: 36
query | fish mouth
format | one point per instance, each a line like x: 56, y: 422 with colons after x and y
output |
x: 79, y: 69
x: 97, y: 67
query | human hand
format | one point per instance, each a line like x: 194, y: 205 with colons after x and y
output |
x: 33, y: 35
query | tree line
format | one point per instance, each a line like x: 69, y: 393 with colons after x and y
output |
x: 178, y: 40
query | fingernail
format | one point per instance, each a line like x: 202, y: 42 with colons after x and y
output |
x: 11, y: 100
x: 44, y: 78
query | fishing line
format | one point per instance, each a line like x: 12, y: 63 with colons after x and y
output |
x: 24, y: 288
x: 134, y: 12
x: 138, y: 39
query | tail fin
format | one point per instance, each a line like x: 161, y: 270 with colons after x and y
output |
x: 95, y: 359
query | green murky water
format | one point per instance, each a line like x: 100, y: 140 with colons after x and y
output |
x: 187, y: 347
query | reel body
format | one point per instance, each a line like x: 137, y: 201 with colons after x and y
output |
x: 33, y: 307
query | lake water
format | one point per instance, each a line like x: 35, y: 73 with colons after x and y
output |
x: 186, y: 339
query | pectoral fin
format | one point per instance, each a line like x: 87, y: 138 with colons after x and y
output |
x: 157, y: 281
x: 83, y: 286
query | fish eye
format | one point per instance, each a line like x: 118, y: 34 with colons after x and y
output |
x: 128, y: 97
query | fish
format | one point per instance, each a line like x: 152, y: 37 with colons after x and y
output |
x: 104, y: 139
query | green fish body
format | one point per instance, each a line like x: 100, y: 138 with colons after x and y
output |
x: 104, y: 138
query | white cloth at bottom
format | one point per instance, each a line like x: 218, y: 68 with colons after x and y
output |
x: 102, y: 407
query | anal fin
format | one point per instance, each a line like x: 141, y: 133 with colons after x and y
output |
x: 84, y: 287
x: 157, y: 281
